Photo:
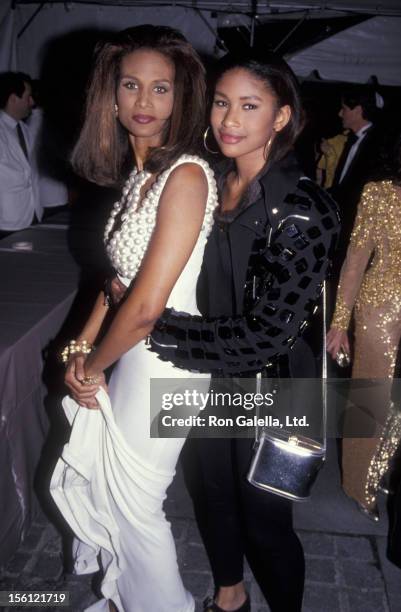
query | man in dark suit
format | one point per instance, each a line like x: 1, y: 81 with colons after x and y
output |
x: 359, y: 160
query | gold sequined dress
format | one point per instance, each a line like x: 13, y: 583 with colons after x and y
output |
x: 374, y: 295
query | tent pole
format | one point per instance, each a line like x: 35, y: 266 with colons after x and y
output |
x: 290, y: 33
x: 31, y: 18
x: 219, y: 41
x: 253, y: 19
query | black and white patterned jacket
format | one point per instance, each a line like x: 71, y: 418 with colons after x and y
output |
x: 282, y: 246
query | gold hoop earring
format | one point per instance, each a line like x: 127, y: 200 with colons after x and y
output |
x: 205, y: 135
x: 116, y: 110
x: 267, y: 147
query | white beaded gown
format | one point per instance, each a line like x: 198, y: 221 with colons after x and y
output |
x: 111, y: 479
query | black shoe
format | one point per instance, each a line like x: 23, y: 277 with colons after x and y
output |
x: 211, y: 606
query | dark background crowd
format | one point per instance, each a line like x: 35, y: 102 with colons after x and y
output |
x: 60, y: 93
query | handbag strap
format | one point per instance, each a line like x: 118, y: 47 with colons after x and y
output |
x: 324, y: 368
x: 323, y: 379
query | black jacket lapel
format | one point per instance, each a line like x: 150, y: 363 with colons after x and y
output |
x: 362, y: 148
x: 254, y: 221
x: 243, y: 231
x: 276, y: 184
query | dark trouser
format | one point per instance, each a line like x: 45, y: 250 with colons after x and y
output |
x: 242, y: 520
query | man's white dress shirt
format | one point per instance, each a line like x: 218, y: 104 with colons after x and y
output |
x: 19, y: 191
x: 51, y: 190
x: 352, y: 152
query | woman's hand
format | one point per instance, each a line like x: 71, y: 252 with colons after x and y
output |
x: 335, y: 339
x: 83, y: 394
x: 117, y: 290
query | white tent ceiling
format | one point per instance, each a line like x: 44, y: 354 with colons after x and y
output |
x: 371, y: 48
x: 345, y: 56
x: 261, y: 7
x: 56, y: 20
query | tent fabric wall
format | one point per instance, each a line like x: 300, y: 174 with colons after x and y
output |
x: 8, y: 56
x: 56, y: 20
x: 370, y: 48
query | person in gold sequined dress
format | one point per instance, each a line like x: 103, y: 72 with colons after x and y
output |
x: 373, y: 294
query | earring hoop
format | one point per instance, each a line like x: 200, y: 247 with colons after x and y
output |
x: 267, y: 147
x: 116, y: 110
x: 205, y: 135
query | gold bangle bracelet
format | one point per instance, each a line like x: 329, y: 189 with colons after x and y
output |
x: 91, y: 380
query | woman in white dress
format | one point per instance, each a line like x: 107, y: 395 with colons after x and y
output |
x: 145, y: 108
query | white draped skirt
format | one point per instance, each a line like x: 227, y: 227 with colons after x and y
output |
x: 110, y: 483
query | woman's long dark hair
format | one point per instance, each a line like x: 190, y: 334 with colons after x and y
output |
x: 396, y: 166
x: 281, y: 82
x: 102, y: 151
x: 388, y: 160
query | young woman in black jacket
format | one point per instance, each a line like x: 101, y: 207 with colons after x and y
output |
x: 264, y: 264
x: 263, y: 269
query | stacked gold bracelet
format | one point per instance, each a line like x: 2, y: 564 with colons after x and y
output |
x: 91, y: 380
x: 83, y: 346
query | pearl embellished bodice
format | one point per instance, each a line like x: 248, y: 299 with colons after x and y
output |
x: 113, y: 475
x: 127, y: 245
